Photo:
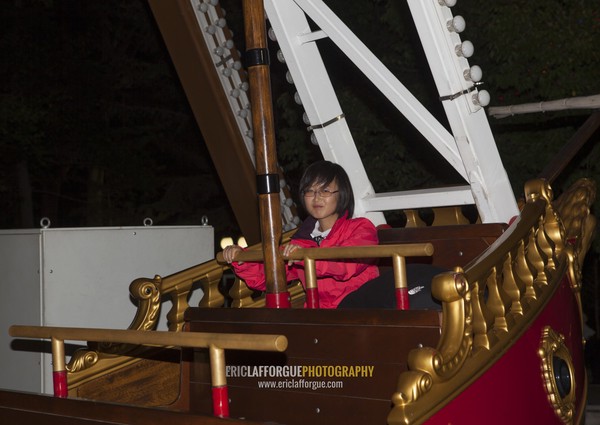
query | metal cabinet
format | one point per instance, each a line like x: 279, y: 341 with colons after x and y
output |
x: 80, y: 277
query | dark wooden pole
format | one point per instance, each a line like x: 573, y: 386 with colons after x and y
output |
x: 267, y: 177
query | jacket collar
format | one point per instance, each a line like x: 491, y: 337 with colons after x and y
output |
x: 308, y: 225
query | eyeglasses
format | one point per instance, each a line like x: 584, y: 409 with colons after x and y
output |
x: 323, y: 193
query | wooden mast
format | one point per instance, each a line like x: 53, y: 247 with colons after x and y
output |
x: 267, y: 177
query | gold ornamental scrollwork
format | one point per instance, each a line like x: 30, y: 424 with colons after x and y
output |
x: 414, y: 385
x: 428, y: 366
x: 574, y: 271
x: 574, y: 209
x: 559, y: 384
x: 147, y: 293
x: 500, y: 293
x: 81, y: 360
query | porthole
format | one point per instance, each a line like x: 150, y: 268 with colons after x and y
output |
x: 558, y: 374
x: 562, y: 376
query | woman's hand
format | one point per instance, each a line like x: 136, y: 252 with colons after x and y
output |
x: 230, y: 252
x: 288, y: 249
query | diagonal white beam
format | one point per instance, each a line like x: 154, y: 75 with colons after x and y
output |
x: 385, y: 81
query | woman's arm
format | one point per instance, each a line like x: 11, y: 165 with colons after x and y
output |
x: 252, y: 273
x: 358, y: 232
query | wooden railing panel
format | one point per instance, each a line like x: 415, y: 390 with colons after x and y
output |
x: 377, y: 338
x: 156, y: 383
x: 453, y: 246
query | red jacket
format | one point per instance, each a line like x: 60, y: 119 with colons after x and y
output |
x: 335, y: 279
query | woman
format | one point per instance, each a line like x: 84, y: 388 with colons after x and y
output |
x: 328, y: 199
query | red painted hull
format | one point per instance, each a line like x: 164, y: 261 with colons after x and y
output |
x: 512, y: 391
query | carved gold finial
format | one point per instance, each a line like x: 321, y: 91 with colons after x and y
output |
x: 538, y: 188
x: 82, y: 359
x: 573, y: 206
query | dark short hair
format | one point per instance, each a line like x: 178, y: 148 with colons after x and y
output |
x: 324, y: 172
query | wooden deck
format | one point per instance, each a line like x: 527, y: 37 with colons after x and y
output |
x: 25, y: 408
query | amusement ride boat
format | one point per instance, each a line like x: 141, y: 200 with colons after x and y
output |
x: 505, y: 344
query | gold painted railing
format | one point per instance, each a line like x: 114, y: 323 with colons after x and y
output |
x: 226, y: 341
x: 216, y: 343
x: 151, y: 293
x: 490, y: 303
x: 106, y: 356
x: 310, y: 255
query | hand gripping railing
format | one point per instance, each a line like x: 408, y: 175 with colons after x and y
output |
x: 216, y: 343
x: 398, y: 253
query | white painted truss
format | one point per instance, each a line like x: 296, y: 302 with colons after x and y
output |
x: 469, y: 146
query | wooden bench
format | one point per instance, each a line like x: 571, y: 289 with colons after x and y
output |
x: 331, y: 339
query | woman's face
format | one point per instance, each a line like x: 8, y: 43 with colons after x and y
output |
x: 321, y: 203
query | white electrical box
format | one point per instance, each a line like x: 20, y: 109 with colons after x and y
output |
x: 80, y: 277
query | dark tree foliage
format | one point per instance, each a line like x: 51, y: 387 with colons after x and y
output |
x: 95, y: 129
x: 532, y: 52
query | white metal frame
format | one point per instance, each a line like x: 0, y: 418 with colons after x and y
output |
x: 470, y: 149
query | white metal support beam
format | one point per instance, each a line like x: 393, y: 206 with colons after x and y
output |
x: 320, y: 102
x: 444, y: 50
x: 470, y: 149
x: 384, y: 80
x: 318, y: 97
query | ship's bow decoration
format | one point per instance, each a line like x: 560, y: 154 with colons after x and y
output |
x: 490, y: 304
x: 573, y: 207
